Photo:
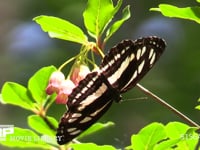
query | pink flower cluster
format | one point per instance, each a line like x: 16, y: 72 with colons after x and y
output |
x: 63, y: 87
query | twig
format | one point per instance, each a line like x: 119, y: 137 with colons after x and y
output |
x: 162, y: 102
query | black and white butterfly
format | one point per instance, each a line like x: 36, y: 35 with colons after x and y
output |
x: 121, y: 69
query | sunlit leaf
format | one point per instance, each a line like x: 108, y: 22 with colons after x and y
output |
x: 38, y: 83
x: 189, y: 138
x: 61, y: 29
x: 91, y: 146
x: 96, y: 127
x: 166, y: 144
x: 24, y: 138
x: 46, y: 126
x: 117, y: 24
x: 198, y: 107
x: 148, y: 137
x: 190, y: 13
x: 16, y: 94
x: 98, y: 14
x: 1, y: 99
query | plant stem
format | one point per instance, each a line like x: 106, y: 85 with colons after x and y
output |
x: 65, y: 63
x: 162, y: 102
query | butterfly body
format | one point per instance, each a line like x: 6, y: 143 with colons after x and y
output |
x: 120, y: 70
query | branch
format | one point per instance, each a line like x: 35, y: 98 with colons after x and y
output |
x: 162, y: 102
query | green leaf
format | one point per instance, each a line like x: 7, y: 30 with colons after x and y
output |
x: 46, y: 126
x: 98, y: 14
x: 91, y: 146
x: 176, y: 129
x: 117, y: 24
x: 24, y: 138
x: 187, y: 134
x: 16, y: 94
x: 198, y: 107
x: 38, y: 83
x: 198, y: 1
x: 190, y: 13
x: 96, y: 127
x: 61, y: 29
x: 1, y: 99
x: 148, y: 137
x: 167, y: 144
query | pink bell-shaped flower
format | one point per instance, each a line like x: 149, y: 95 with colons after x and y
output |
x: 55, y: 81
x: 79, y: 72
x: 65, y: 90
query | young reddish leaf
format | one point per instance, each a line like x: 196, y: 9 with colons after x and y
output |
x: 61, y: 29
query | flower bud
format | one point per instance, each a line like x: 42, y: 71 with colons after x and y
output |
x: 55, y: 81
x: 65, y: 90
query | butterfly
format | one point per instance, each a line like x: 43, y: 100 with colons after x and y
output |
x: 121, y: 69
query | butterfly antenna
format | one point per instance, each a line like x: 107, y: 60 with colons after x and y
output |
x: 135, y: 99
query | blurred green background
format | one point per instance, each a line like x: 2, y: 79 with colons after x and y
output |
x: 24, y: 49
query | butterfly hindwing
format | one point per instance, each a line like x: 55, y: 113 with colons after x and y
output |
x: 121, y: 69
x: 129, y: 61
x: 87, y: 103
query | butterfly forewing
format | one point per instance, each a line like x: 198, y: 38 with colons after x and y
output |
x: 120, y: 70
x: 87, y: 103
x: 129, y: 61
